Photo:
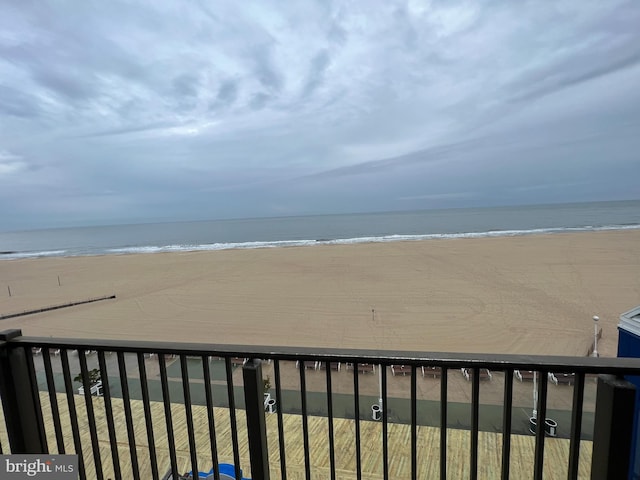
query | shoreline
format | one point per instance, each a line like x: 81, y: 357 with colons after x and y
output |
x: 498, y: 294
x: 262, y: 244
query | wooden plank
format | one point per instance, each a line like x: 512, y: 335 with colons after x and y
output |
x: 458, y: 441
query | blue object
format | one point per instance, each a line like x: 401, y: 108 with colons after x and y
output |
x: 629, y: 346
x: 223, y: 468
x: 227, y: 469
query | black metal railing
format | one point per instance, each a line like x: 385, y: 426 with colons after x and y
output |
x: 153, y: 411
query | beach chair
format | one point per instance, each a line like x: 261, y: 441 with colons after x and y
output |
x: 435, y: 372
x: 523, y: 375
x: 307, y: 365
x: 332, y: 365
x: 366, y: 368
x: 563, y: 378
x: 400, y: 370
x: 529, y: 374
x: 238, y: 361
x: 483, y: 374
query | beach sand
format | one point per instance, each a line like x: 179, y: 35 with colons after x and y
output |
x: 529, y: 294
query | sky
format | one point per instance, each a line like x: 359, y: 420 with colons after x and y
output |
x: 135, y: 111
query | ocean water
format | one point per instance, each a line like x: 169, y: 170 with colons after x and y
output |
x: 320, y: 229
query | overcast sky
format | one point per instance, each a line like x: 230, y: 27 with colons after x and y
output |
x: 117, y: 112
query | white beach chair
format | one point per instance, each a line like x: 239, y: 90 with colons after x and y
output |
x: 434, y: 372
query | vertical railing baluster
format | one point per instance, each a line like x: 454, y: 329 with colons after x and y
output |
x: 126, y: 402
x: 146, y: 403
x: 93, y: 432
x: 305, y: 422
x: 53, y: 399
x: 73, y: 416
x: 210, y: 416
x: 356, y: 396
x: 576, y: 426
x: 540, y: 426
x: 414, y: 424
x: 33, y: 380
x: 443, y: 424
x: 256, y: 423
x: 188, y: 413
x: 108, y: 408
x: 283, y: 462
x: 332, y: 454
x: 166, y: 400
x: 475, y: 410
x: 385, y: 423
x: 232, y: 416
x: 506, y: 423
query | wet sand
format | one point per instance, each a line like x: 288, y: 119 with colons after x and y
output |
x: 527, y: 295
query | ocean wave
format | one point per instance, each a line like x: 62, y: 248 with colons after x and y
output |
x: 208, y: 246
x: 356, y: 240
x: 126, y: 250
x: 20, y: 255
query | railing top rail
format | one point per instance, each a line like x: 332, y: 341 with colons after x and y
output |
x: 626, y: 366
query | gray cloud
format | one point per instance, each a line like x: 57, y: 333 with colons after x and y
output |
x: 556, y: 77
x: 228, y: 92
x: 259, y: 101
x: 162, y: 111
x: 185, y: 85
x: 16, y: 103
x: 317, y: 72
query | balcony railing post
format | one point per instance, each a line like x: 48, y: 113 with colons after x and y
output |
x: 612, y: 430
x: 20, y: 401
x: 256, y: 424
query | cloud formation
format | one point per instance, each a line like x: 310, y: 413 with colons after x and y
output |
x: 147, y: 111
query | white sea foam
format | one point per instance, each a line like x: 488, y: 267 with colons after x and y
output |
x: 19, y: 255
x: 348, y: 241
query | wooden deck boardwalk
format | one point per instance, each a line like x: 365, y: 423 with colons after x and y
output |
x: 458, y: 443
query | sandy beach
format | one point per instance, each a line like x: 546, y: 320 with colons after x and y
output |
x: 528, y: 294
